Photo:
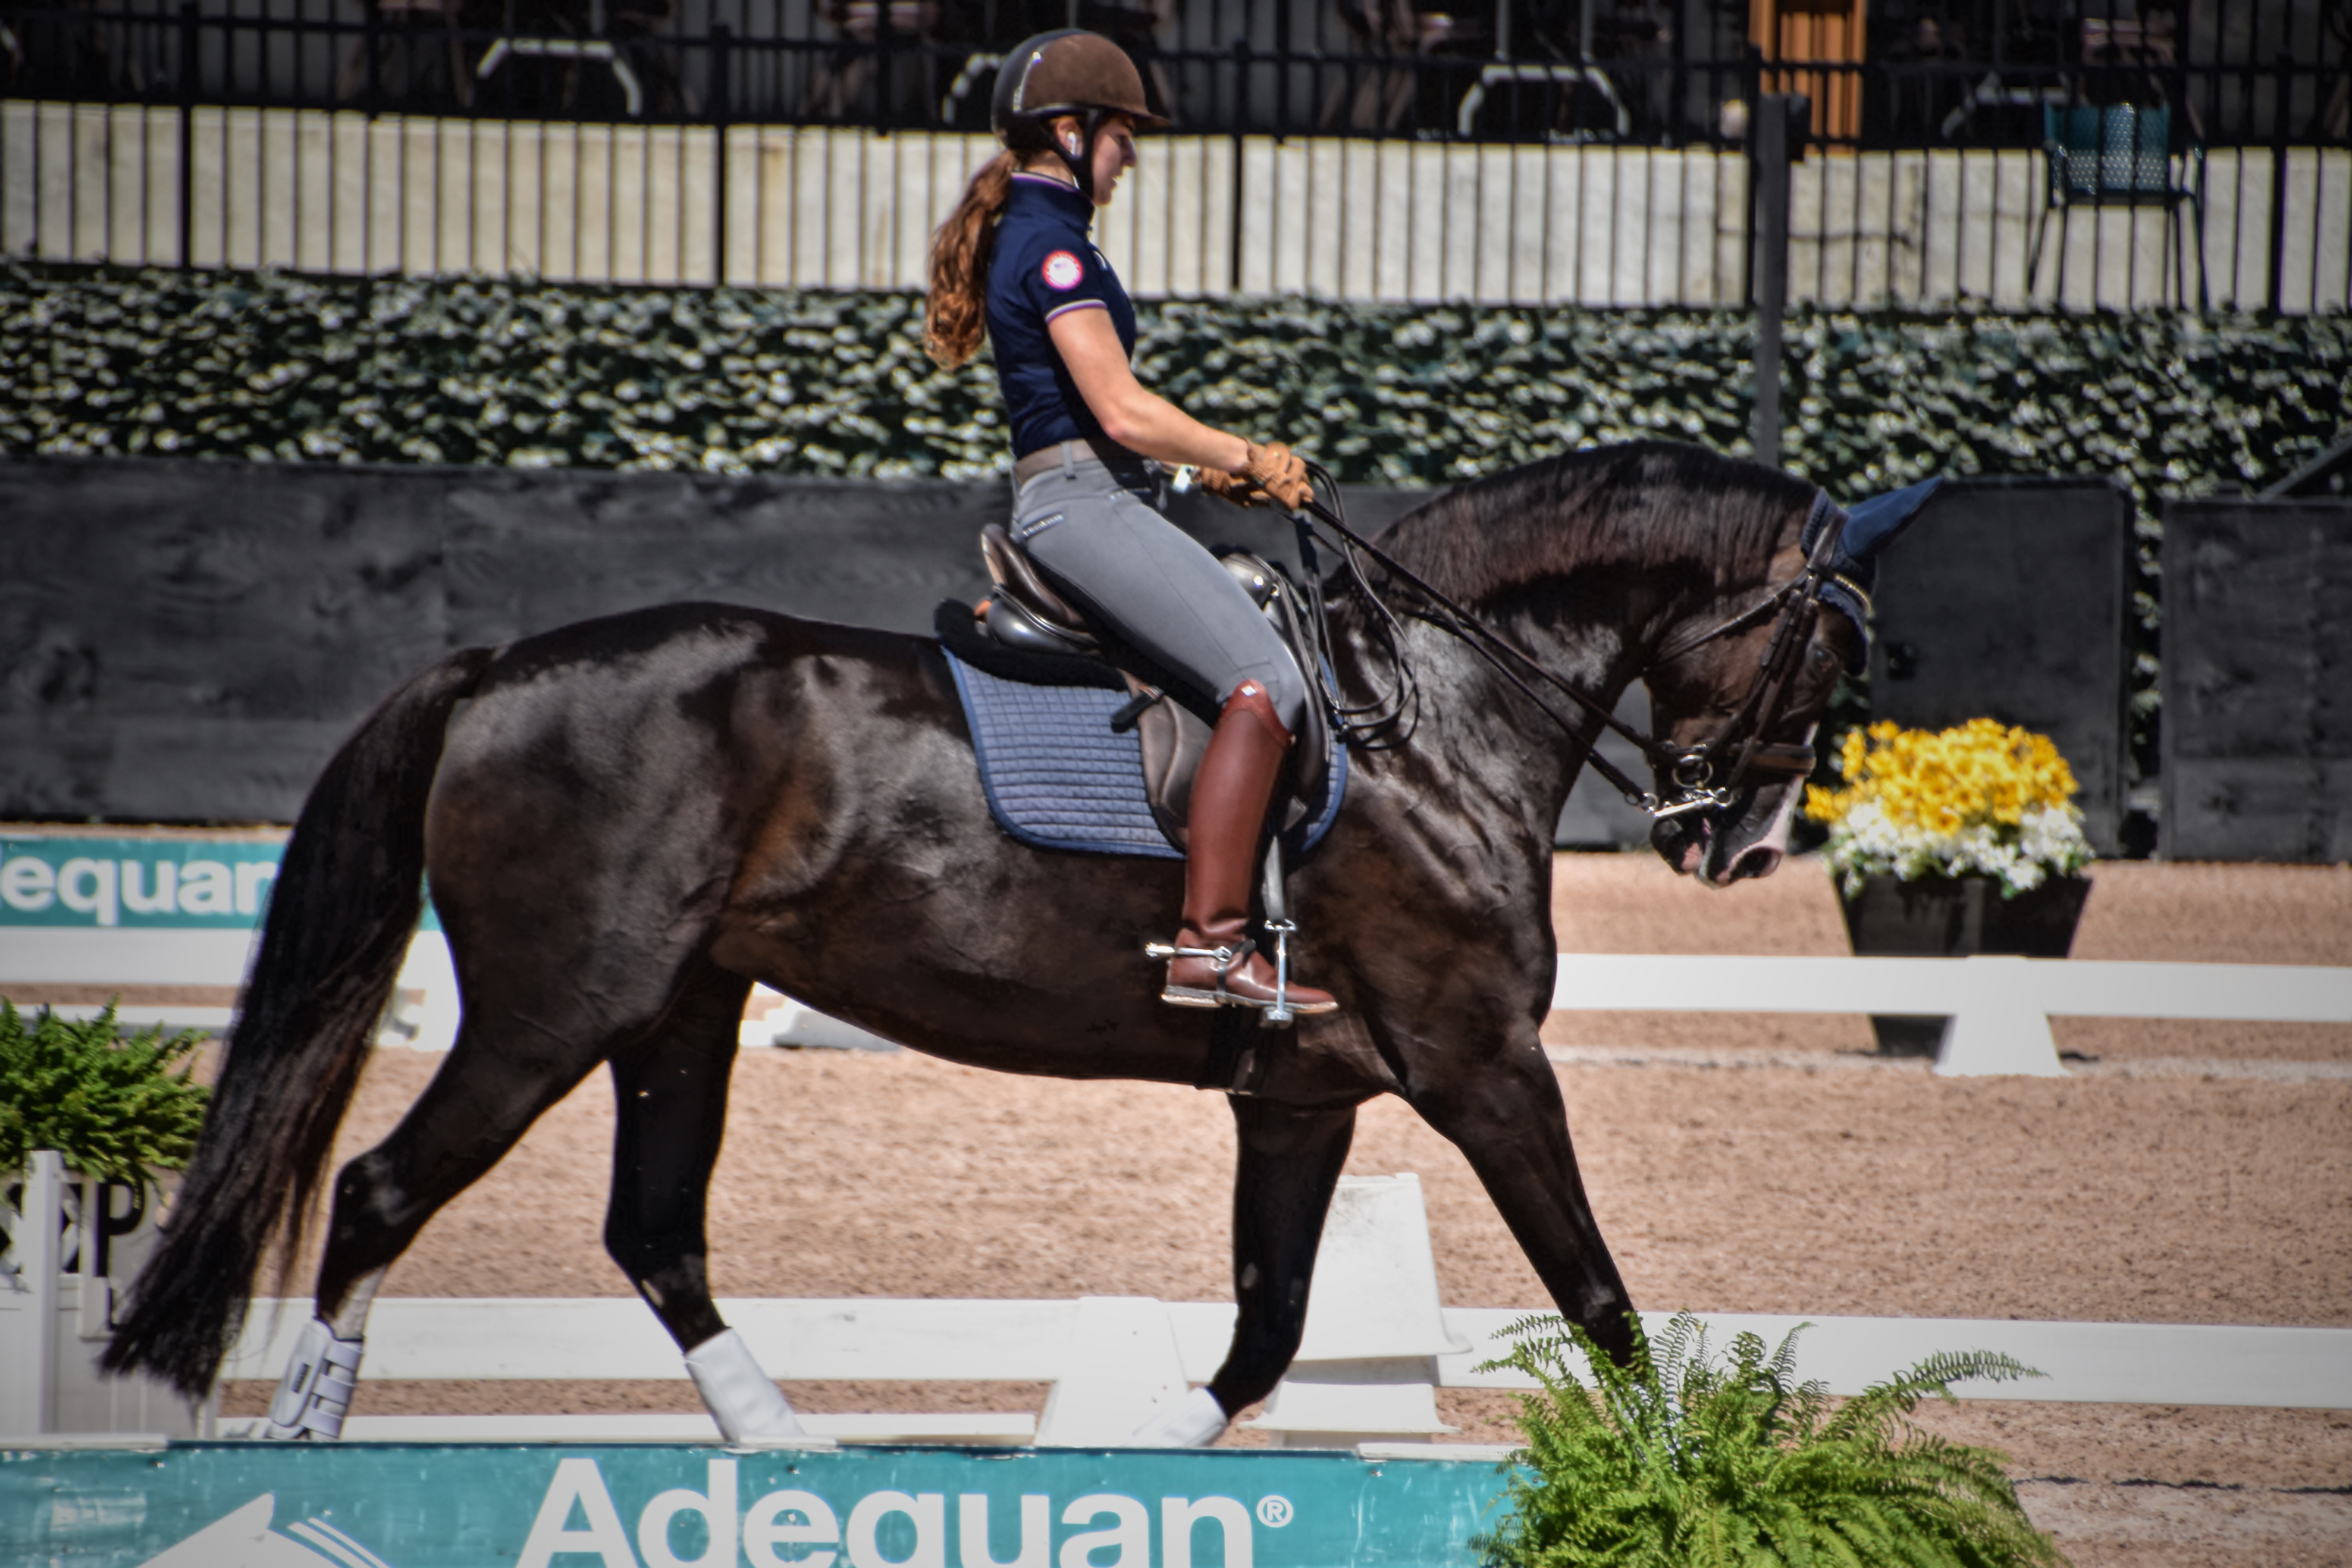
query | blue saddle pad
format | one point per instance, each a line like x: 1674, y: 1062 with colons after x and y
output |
x: 1059, y: 777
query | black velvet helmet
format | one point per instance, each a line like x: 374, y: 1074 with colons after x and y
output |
x: 1069, y: 72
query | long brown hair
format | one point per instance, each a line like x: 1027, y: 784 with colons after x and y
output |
x: 955, y: 317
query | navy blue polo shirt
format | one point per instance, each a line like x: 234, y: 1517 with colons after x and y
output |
x: 1045, y: 263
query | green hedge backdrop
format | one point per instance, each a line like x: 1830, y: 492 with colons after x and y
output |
x: 472, y: 370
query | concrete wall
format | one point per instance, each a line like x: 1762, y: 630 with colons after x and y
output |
x: 338, y: 192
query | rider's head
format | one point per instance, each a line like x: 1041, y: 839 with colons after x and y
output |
x: 1069, y: 95
x: 1056, y: 91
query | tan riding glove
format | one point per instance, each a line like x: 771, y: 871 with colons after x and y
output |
x: 1273, y: 469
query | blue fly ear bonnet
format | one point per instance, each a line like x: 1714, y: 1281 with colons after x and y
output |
x: 1870, y: 528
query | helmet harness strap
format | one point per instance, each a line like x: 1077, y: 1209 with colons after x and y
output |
x: 1081, y: 164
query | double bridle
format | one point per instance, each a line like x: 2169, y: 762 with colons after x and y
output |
x: 1704, y: 777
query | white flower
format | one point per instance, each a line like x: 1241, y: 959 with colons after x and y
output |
x: 2049, y: 840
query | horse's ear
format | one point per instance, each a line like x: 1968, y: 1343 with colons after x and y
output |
x: 1872, y: 525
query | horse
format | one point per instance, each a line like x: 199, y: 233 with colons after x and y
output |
x: 626, y: 822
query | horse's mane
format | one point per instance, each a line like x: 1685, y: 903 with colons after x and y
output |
x: 1643, y: 504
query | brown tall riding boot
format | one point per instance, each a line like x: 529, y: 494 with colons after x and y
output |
x: 1229, y: 794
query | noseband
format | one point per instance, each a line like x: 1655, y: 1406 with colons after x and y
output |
x: 1704, y: 777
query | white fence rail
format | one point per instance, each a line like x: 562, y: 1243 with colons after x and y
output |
x: 340, y: 191
x: 1029, y: 1342
x: 1378, y: 1346
x: 1999, y: 1007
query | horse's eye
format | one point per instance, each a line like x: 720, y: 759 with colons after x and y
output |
x: 1821, y: 657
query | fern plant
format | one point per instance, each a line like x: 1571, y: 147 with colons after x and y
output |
x: 1674, y: 1461
x: 114, y: 1107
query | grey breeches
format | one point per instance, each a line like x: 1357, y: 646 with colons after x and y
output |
x: 1110, y: 550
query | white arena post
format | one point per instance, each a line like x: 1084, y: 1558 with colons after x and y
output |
x: 1367, y: 1367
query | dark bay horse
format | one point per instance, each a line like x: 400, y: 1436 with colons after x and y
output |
x: 627, y: 822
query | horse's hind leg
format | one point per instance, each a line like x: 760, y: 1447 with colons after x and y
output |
x: 1288, y: 1167
x: 670, y: 1096
x: 484, y: 1097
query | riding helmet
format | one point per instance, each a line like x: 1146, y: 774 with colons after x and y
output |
x: 1069, y: 72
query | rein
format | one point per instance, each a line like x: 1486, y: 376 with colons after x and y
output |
x: 1693, y: 769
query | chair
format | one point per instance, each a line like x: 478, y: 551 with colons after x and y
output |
x: 2121, y: 155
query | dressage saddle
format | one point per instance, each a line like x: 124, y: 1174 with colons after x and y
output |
x: 1028, y: 630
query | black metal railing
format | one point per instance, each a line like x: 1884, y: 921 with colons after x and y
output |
x: 1519, y: 70
x: 2226, y: 171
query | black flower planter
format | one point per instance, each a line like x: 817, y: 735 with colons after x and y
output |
x: 1951, y: 917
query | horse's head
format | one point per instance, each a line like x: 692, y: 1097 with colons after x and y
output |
x: 1739, y: 692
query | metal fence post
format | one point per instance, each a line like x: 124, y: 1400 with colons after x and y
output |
x: 722, y: 40
x: 188, y: 133
x: 1777, y: 115
x: 1241, y: 97
x: 2283, y: 96
x: 1751, y: 90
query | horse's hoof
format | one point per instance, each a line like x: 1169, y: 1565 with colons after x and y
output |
x: 1194, y: 1421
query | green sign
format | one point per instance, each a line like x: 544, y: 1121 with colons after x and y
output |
x: 380, y: 1505
x: 151, y: 882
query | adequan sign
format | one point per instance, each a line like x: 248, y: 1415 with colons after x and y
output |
x: 158, y: 881
x: 237, y: 1505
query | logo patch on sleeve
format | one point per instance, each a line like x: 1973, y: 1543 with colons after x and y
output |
x: 1063, y: 271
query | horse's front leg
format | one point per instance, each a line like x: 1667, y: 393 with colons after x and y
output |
x: 669, y: 1090
x: 1503, y: 1111
x: 1288, y: 1166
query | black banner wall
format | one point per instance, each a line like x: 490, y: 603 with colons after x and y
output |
x: 2006, y: 600
x: 2257, y: 737
x: 189, y: 641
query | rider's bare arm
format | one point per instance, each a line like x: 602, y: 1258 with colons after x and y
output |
x: 1130, y: 413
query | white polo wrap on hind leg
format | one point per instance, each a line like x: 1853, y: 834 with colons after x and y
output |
x: 741, y: 1398
x: 315, y: 1395
x: 1194, y: 1421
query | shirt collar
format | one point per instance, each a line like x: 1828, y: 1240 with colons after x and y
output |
x: 1055, y: 195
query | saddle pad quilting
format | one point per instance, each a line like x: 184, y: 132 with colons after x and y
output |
x: 1058, y: 777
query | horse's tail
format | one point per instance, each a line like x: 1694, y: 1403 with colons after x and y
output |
x: 346, y: 900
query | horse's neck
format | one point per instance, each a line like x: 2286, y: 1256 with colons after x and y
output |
x: 1473, y: 725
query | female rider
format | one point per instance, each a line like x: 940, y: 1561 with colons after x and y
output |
x: 1088, y: 441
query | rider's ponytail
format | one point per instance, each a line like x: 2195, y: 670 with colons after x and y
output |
x: 955, y: 317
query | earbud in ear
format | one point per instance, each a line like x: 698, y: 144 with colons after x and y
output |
x: 1072, y: 143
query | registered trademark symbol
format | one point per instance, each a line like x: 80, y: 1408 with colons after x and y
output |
x: 1274, y: 1511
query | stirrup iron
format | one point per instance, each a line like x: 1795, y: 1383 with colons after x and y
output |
x: 1283, y: 928
x: 1277, y: 1013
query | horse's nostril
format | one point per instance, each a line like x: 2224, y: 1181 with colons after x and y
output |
x: 1758, y: 860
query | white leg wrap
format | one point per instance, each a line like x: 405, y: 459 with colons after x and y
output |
x: 1194, y: 1421
x: 315, y: 1395
x: 741, y: 1399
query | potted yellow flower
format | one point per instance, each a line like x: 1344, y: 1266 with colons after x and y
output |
x: 1951, y: 842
